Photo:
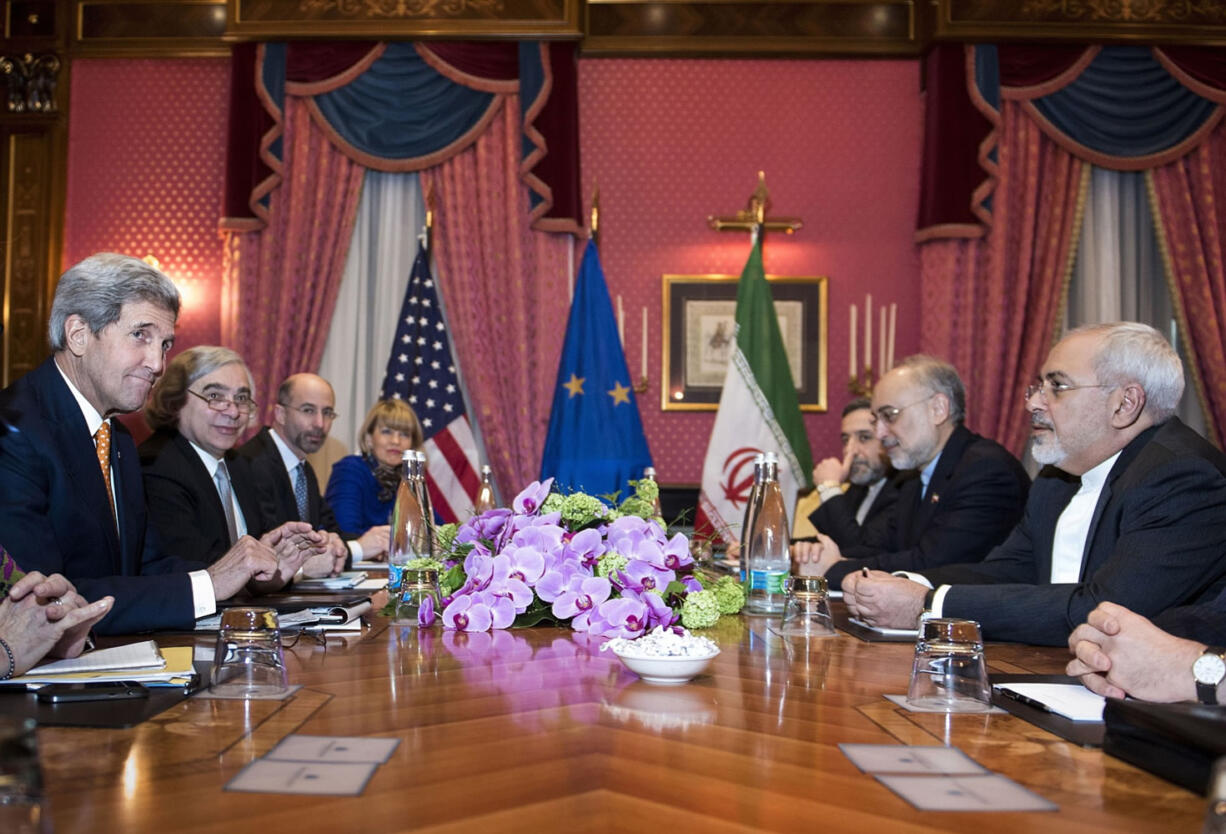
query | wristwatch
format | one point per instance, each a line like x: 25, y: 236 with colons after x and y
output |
x: 1209, y: 670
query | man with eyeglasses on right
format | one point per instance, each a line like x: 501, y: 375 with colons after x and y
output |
x: 301, y: 419
x: 960, y: 493
x: 1132, y: 514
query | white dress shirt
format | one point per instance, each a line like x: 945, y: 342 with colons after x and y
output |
x: 204, y: 600
x: 291, y: 461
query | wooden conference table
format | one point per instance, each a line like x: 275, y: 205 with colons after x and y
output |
x: 534, y: 730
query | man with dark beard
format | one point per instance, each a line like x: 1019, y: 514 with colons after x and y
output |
x: 959, y: 494
x: 1133, y: 515
x: 305, y: 409
x: 860, y: 515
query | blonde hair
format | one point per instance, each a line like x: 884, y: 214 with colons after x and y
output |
x: 394, y: 414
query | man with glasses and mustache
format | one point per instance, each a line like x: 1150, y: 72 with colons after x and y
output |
x: 863, y: 513
x: 201, y: 495
x: 1132, y: 512
x: 960, y: 493
x: 301, y: 419
x: 74, y: 502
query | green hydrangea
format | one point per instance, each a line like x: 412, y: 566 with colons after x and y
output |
x: 634, y: 505
x: 444, y: 536
x: 580, y: 509
x: 729, y: 595
x: 647, y: 489
x: 423, y: 564
x: 552, y: 503
x: 700, y: 610
x: 610, y: 563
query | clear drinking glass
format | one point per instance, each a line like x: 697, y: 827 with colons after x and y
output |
x: 419, y: 597
x: 806, y: 609
x: 22, y: 805
x: 949, y: 673
x: 249, y: 662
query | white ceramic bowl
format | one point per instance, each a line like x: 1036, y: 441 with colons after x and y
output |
x: 667, y: 671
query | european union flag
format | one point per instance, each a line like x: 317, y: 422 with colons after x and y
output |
x: 596, y: 442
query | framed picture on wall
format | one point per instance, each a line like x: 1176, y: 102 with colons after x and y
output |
x: 699, y: 322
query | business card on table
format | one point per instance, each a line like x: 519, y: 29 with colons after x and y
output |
x: 989, y: 792
x: 302, y: 748
x: 322, y: 778
x: 908, y: 759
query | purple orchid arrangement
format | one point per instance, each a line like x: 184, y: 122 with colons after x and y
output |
x: 609, y: 572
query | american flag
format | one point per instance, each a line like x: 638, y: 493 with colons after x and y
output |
x: 421, y: 370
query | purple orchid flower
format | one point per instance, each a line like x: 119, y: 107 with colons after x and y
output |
x: 467, y: 614
x: 644, y: 576
x: 580, y: 600
x: 677, y: 553
x: 585, y: 546
x: 691, y: 584
x: 621, y: 617
x: 425, y: 614
x: 533, y: 495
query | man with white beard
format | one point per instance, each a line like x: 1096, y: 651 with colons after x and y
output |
x: 1133, y: 513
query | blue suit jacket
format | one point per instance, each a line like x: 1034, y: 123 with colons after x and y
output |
x: 1155, y: 542
x: 975, y: 497
x: 56, y: 518
x: 353, y: 494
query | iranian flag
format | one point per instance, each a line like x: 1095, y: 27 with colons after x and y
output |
x: 758, y: 412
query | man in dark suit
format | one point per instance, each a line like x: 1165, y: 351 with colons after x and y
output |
x: 201, y: 495
x: 73, y: 499
x: 960, y: 493
x: 305, y: 409
x: 1135, y: 519
x: 857, y: 490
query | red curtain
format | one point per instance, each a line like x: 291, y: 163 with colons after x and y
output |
x: 506, y: 291
x: 279, y: 286
x: 989, y: 306
x: 1187, y: 195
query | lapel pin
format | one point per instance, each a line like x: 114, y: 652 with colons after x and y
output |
x: 934, y: 499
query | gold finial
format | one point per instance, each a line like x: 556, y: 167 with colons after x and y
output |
x: 595, y: 214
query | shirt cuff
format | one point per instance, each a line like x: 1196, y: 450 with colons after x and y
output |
x: 827, y: 492
x: 938, y: 600
x: 203, y: 597
x: 914, y: 577
x: 355, y: 550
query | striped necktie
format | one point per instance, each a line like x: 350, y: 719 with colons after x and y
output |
x: 300, y: 489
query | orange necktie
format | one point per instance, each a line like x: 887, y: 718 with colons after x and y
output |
x: 102, y: 442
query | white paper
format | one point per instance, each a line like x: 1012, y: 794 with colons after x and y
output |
x: 143, y: 655
x: 892, y: 632
x: 991, y: 792
x: 345, y: 582
x: 304, y: 748
x: 903, y: 758
x: 323, y: 778
x: 1071, y: 700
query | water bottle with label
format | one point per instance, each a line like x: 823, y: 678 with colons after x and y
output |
x: 768, y: 561
x: 408, y: 523
x: 417, y: 474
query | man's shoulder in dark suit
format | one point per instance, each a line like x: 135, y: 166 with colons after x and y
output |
x: 974, y: 499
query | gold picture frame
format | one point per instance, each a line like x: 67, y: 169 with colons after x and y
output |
x: 699, y: 313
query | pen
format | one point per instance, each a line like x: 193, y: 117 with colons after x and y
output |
x: 1027, y: 700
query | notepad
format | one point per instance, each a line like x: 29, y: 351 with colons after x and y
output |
x: 346, y: 581
x: 1073, y: 701
x: 173, y: 668
x: 143, y: 655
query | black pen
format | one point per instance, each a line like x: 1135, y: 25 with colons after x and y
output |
x: 1027, y: 700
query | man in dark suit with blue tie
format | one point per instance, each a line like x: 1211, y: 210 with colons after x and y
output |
x: 1134, y: 515
x: 301, y: 418
x: 959, y: 495
x: 73, y: 499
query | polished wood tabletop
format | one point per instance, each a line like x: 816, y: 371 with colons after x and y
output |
x: 537, y: 730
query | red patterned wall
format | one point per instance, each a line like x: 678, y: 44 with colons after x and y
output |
x: 146, y: 163
x: 672, y: 141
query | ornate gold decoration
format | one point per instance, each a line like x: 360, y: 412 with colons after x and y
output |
x: 754, y: 215
x: 1127, y: 11
x: 31, y: 82
x: 400, y: 8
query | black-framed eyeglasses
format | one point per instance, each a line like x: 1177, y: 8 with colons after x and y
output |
x: 217, y: 401
x: 309, y: 411
x: 889, y: 413
x: 1043, y: 386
